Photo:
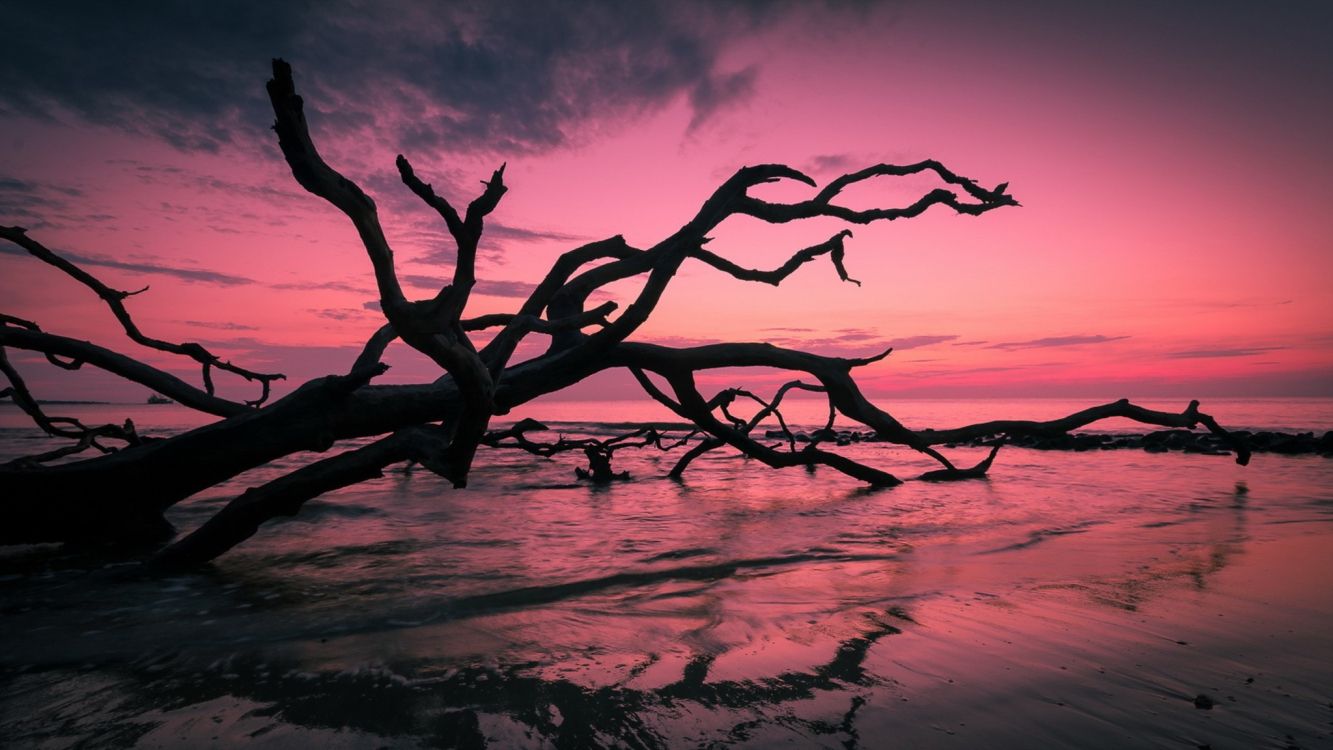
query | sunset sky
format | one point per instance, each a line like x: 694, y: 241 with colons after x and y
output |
x: 1173, y: 161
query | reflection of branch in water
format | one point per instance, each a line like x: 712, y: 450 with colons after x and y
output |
x: 1229, y: 545
x: 853, y: 737
x: 1225, y: 537
x: 443, y: 707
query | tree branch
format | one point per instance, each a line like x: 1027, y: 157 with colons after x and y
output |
x: 821, y: 204
x: 284, y: 496
x: 131, y: 369
x: 316, y: 176
x: 430, y: 327
x: 466, y: 231
x: 832, y: 247
x: 114, y: 299
x: 682, y: 382
x: 554, y: 295
x: 1190, y: 418
x: 62, y: 427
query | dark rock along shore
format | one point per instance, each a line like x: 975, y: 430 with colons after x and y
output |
x: 1161, y: 441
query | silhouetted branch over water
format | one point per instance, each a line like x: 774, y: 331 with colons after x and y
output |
x: 441, y: 425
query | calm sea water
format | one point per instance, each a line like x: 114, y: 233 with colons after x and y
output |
x: 740, y: 607
x: 1276, y: 413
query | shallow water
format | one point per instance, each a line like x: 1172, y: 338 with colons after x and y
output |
x: 1076, y: 599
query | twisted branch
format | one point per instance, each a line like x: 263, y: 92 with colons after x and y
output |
x: 80, y: 352
x: 115, y: 299
x: 431, y: 327
x: 61, y: 427
x: 832, y: 247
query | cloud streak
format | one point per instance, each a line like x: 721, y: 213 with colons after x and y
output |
x: 1055, y: 341
x: 193, y: 275
x: 486, y: 287
x: 225, y: 325
x: 1223, y: 352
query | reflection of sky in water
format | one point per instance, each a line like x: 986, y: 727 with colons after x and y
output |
x: 743, y: 606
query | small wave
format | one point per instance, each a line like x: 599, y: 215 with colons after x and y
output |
x: 333, y: 556
x: 679, y: 554
x: 545, y: 594
x: 319, y: 510
x: 1041, y: 535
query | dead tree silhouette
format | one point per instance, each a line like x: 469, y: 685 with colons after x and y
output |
x: 122, y: 494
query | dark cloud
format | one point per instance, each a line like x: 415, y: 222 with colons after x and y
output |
x: 852, y: 334
x: 340, y: 313
x: 498, y: 231
x: 822, y: 163
x: 1245, y: 351
x: 504, y: 76
x: 945, y: 372
x: 1053, y: 341
x: 332, y: 286
x: 852, y: 342
x: 162, y: 174
x: 421, y: 231
x: 193, y: 275
x: 715, y: 93
x: 822, y: 166
x: 516, y: 289
x: 914, y: 342
x: 1226, y: 304
x: 437, y: 246
x: 220, y: 325
x: 678, y: 342
x: 15, y: 185
x: 34, y: 205
x: 868, y: 337
x: 489, y: 288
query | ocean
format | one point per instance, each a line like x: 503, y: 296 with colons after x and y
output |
x: 1111, y: 598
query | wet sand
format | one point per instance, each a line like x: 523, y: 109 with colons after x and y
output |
x: 1218, y: 645
x: 1114, y: 599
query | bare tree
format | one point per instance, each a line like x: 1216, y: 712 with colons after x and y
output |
x: 122, y: 493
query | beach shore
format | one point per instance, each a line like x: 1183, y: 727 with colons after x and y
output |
x: 1109, y: 599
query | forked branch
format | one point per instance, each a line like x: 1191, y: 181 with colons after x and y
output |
x: 62, y: 427
x: 115, y: 299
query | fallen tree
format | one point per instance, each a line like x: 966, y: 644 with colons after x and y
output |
x: 122, y: 493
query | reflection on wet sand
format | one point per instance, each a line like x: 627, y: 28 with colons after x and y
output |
x: 1040, y: 608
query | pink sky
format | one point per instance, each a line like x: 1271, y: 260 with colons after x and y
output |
x: 1174, y: 172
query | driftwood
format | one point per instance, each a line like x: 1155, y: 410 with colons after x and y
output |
x: 121, y: 494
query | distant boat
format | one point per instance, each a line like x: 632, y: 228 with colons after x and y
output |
x: 156, y: 399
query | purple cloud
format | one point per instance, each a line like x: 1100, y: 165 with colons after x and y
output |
x: 1247, y: 351
x: 193, y: 275
x: 486, y: 287
x: 224, y: 325
x: 1054, y: 341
